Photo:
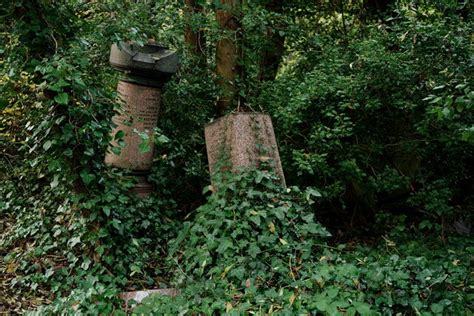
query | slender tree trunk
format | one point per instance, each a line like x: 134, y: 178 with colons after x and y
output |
x: 274, y: 49
x: 227, y: 52
x: 194, y: 39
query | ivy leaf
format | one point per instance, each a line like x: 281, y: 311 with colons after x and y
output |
x: 87, y: 177
x: 47, y: 145
x: 144, y: 147
x: 116, y: 150
x: 49, y: 272
x: 254, y: 250
x: 59, y: 85
x: 3, y: 103
x: 106, y: 210
x: 437, y: 308
x: 117, y: 225
x: 363, y: 308
x: 271, y: 227
x: 332, y: 292
x: 55, y: 182
x: 86, y: 263
x: 256, y: 219
x: 74, y: 241
x: 62, y: 98
x: 162, y: 139
x: 119, y: 135
x: 322, y: 304
x: 292, y: 298
x: 310, y: 193
x: 135, y: 269
x: 225, y: 244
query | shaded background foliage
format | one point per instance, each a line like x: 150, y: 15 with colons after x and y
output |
x: 371, y: 103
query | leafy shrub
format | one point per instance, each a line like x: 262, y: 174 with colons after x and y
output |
x: 252, y: 235
x: 254, y: 247
x: 376, y: 118
x: 75, y: 234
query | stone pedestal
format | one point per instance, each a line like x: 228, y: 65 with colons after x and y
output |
x: 243, y: 140
x: 145, y: 70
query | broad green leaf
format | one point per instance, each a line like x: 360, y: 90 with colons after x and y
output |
x: 62, y: 98
x: 59, y: 85
x: 106, y: 210
x: 74, y: 241
x: 119, y: 135
x: 322, y: 304
x: 144, y: 147
x: 363, y: 308
x: 162, y: 139
x: 86, y: 176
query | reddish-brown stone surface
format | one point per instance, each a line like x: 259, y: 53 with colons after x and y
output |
x: 140, y: 109
x: 247, y: 139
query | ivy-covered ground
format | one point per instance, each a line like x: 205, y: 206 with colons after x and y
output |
x: 372, y: 107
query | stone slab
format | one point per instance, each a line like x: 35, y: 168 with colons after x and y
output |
x: 139, y: 296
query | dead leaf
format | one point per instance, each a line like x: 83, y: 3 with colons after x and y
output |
x: 271, y: 226
x: 11, y: 267
x: 228, y: 307
x: 292, y: 298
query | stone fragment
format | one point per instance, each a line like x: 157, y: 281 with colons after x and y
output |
x: 139, y: 296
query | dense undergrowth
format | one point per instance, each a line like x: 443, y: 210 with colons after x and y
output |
x: 255, y: 247
x: 373, y: 114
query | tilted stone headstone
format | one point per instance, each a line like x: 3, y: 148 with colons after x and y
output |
x: 243, y: 140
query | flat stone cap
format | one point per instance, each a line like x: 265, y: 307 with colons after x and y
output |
x: 150, y: 60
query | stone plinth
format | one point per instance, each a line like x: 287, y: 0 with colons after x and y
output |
x: 142, y: 188
x: 243, y: 140
x: 139, y: 111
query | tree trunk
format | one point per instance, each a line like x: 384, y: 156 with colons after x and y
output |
x: 275, y: 46
x: 227, y: 52
x: 194, y: 39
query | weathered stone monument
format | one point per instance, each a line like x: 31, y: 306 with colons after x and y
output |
x: 145, y: 69
x: 243, y: 139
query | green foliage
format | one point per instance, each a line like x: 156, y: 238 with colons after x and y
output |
x: 250, y: 224
x: 381, y: 116
x: 375, y: 110
x: 254, y: 247
x: 77, y: 234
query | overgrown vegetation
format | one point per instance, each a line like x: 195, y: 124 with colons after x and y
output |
x: 372, y: 106
x: 255, y: 247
